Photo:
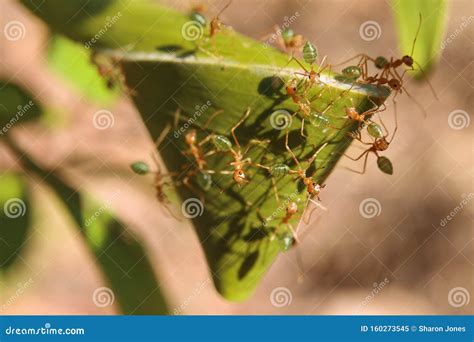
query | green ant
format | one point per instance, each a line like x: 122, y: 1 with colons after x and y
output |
x: 161, y: 180
x: 223, y: 144
x: 380, y: 143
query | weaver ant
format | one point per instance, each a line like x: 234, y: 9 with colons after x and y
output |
x: 161, y: 180
x: 223, y: 144
x: 287, y: 40
x: 389, y: 70
x: 310, y: 55
x: 216, y: 25
x: 313, y: 189
x: 379, y: 144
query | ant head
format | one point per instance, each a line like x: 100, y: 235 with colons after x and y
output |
x: 314, y: 188
x: 291, y: 89
x: 292, y: 208
x: 239, y: 177
x: 395, y: 84
x: 407, y: 60
x: 190, y: 137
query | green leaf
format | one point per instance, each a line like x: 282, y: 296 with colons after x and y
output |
x: 165, y: 71
x: 17, y: 107
x: 71, y: 61
x: 119, y: 254
x: 15, y: 217
x: 428, y: 44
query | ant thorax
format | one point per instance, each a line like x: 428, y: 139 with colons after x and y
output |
x: 352, y: 113
x: 292, y: 208
x: 394, y: 84
x: 191, y: 138
x: 381, y: 144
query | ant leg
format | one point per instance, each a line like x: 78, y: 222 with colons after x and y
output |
x: 384, y: 127
x: 299, y: 63
x: 365, y: 163
x: 313, y: 157
x: 319, y: 205
x: 247, y: 113
x: 396, y: 120
x: 212, y: 117
x: 290, y: 151
x: 420, y: 107
x: 358, y: 158
x: 193, y: 189
x: 275, y: 190
x: 302, y: 129
x: 162, y: 136
x: 177, y: 115
x: 425, y: 77
x: 362, y: 55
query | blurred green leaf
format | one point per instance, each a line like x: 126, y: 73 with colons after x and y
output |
x: 17, y: 106
x: 72, y: 62
x: 166, y: 70
x: 119, y: 254
x: 15, y: 217
x: 428, y: 44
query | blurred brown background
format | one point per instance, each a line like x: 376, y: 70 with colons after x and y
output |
x: 404, y: 252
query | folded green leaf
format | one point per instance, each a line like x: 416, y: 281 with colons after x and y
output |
x: 166, y: 69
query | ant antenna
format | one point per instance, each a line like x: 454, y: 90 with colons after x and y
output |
x: 225, y: 7
x: 416, y: 35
